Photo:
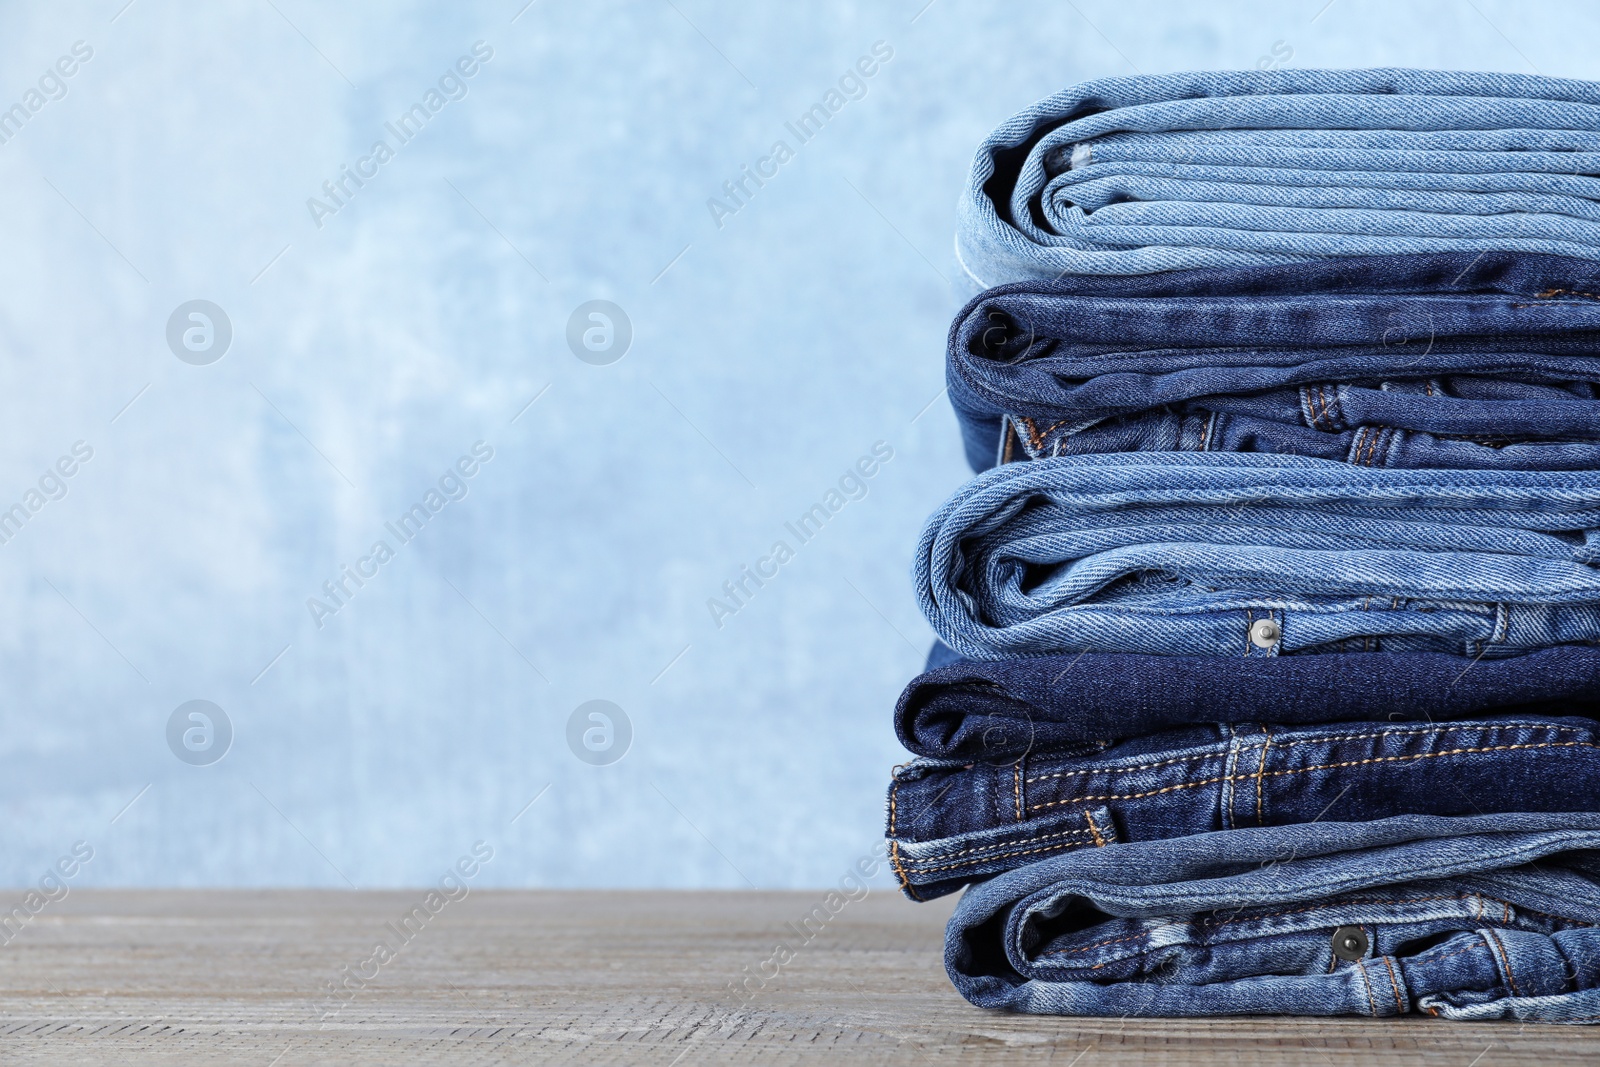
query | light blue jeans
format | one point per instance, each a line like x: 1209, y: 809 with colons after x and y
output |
x: 1482, y: 917
x: 1248, y: 554
x: 1242, y: 168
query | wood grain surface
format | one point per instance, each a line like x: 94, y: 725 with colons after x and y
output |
x: 508, y: 977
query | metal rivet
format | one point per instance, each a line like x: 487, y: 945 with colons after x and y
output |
x: 1350, y: 943
x: 1265, y: 634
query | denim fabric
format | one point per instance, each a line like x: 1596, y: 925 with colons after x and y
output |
x: 951, y: 823
x: 1208, y: 553
x: 1486, y: 917
x: 1134, y: 175
x: 1461, y: 361
x: 1003, y: 709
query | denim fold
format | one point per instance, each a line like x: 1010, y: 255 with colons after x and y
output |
x: 1479, y: 917
x: 952, y: 823
x: 1134, y: 175
x: 1248, y: 555
x: 999, y: 710
x: 1455, y: 360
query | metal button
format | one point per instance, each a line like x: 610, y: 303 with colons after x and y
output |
x: 1265, y: 633
x: 1350, y: 943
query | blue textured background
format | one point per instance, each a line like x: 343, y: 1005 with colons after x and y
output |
x: 768, y: 354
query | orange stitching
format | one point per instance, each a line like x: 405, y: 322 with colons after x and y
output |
x: 1323, y: 767
x: 1365, y: 977
x: 894, y: 787
x: 905, y: 879
x: 1099, y: 841
x: 1550, y: 293
x: 1016, y: 769
x: 1394, y: 984
x: 1261, y: 770
x: 1396, y: 732
x: 1035, y: 435
x: 1505, y: 958
x: 1372, y: 446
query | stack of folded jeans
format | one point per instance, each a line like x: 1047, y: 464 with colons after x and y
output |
x: 1269, y: 664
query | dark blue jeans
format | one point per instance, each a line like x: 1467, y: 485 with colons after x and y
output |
x: 1484, y: 917
x: 1454, y: 360
x: 951, y: 823
x: 998, y: 710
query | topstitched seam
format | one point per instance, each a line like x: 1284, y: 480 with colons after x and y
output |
x: 1394, y: 984
x: 1324, y: 767
x: 1454, y: 728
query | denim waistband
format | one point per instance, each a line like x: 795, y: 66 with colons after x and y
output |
x: 1282, y: 426
x: 1250, y: 555
x: 951, y: 823
x: 1493, y: 348
x: 999, y: 710
x: 1468, y: 918
x: 1134, y: 175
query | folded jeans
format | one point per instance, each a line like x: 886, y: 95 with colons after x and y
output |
x: 1482, y: 917
x: 1458, y: 361
x: 998, y: 710
x: 1133, y: 175
x: 1244, y: 554
x: 952, y: 823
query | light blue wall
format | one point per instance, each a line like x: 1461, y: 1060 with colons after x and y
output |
x: 419, y: 319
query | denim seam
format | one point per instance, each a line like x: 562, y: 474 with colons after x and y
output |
x: 1322, y: 396
x: 1318, y: 907
x: 1000, y: 845
x: 1427, y: 961
x: 1308, y: 411
x: 1097, y: 944
x: 1099, y: 840
x: 1394, y: 985
x: 1440, y: 729
x: 905, y: 880
x: 1367, y: 978
x: 1261, y: 770
x: 1227, y: 794
x: 1322, y: 767
x: 1016, y: 775
x: 1505, y: 960
x: 894, y: 845
x: 1478, y: 898
x: 1356, y: 444
x: 1004, y: 855
x: 1036, y: 436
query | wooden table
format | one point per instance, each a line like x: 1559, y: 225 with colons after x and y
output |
x: 503, y: 977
